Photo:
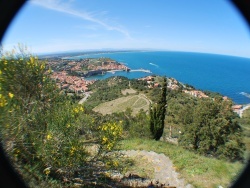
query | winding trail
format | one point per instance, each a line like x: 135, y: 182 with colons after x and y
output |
x: 164, y: 170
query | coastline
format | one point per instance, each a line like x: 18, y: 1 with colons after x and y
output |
x: 174, y: 64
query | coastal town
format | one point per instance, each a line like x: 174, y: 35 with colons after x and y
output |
x: 70, y: 75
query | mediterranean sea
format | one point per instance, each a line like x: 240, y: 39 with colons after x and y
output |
x: 228, y: 75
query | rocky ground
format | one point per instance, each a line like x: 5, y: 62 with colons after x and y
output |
x: 164, y: 174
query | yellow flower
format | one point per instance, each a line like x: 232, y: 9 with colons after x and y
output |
x: 2, y: 104
x: 31, y: 60
x: 68, y: 125
x: 72, y: 150
x: 109, y: 146
x: 47, y: 170
x: 76, y: 110
x: 104, y: 140
x: 42, y: 66
x: 1, y: 72
x: 3, y: 101
x: 116, y: 163
x: 11, y: 95
x: 49, y: 136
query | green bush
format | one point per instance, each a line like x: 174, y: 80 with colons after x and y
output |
x: 210, y: 128
x: 42, y: 128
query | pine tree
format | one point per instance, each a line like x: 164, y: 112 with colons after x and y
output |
x: 157, y: 114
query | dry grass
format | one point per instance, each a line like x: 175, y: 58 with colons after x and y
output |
x: 135, y: 102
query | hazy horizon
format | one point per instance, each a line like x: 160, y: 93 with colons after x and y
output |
x: 56, y: 26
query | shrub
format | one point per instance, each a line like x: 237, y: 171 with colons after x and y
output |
x: 40, y: 127
x: 210, y: 128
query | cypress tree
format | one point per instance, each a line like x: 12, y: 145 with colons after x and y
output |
x: 157, y: 114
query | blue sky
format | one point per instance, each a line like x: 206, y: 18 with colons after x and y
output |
x: 213, y: 26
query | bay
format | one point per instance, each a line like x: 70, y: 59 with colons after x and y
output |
x: 228, y: 75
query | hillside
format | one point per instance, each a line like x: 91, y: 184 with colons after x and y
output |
x: 135, y: 102
x: 55, y: 142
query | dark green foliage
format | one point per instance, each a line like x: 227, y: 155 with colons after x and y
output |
x: 137, y: 126
x: 177, y: 114
x: 106, y: 90
x: 157, y: 114
x: 155, y: 94
x: 189, y: 86
x: 213, y: 94
x: 210, y: 128
x: 140, y: 85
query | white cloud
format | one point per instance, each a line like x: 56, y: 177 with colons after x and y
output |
x: 65, y: 7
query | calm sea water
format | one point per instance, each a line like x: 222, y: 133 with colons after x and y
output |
x: 227, y: 75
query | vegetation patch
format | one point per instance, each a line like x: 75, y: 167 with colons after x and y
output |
x: 245, y: 124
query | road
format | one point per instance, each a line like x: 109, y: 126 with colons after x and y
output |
x: 84, y: 98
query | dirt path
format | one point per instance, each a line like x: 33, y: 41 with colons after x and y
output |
x: 84, y: 98
x: 164, y: 171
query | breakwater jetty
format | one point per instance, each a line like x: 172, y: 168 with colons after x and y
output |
x: 140, y: 70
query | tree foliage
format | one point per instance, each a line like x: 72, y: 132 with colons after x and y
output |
x: 210, y: 128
